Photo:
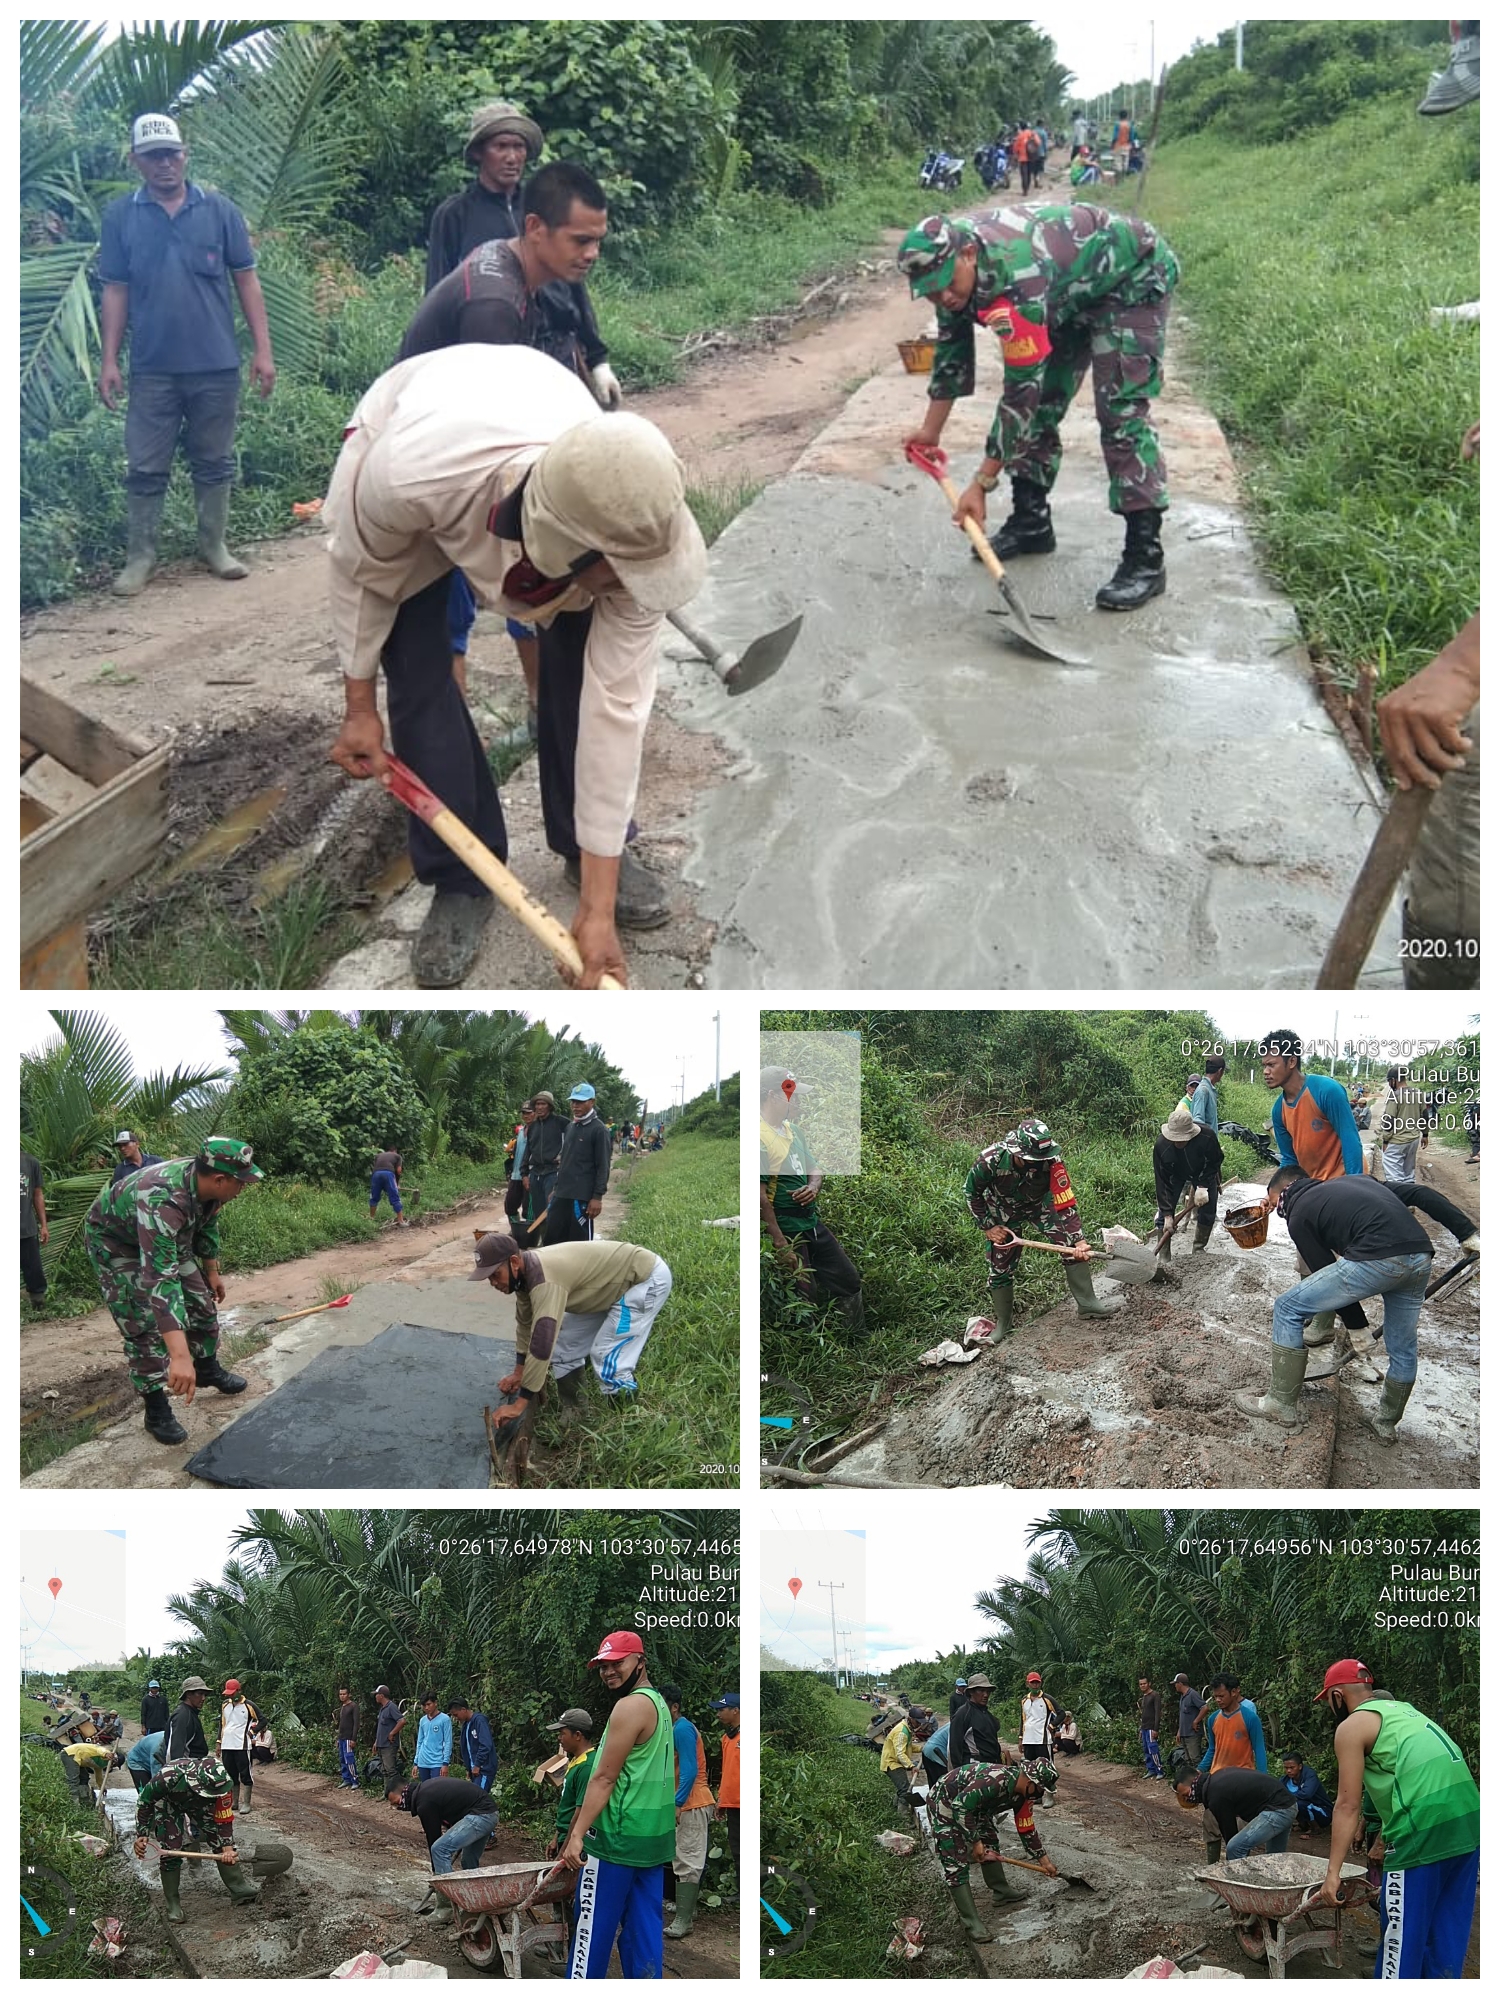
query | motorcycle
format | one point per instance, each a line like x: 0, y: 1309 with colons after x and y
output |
x: 992, y: 164
x: 941, y: 170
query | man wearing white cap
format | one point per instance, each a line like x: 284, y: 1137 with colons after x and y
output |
x: 167, y: 254
x: 132, y: 1159
x: 497, y: 461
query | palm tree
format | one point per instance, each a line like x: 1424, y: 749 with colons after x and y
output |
x: 82, y: 1087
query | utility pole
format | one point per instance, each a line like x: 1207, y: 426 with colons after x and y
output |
x: 1239, y: 45
x: 717, y: 1020
x: 833, y: 1627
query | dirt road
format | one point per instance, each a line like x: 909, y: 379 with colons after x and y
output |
x: 244, y: 680
x: 73, y: 1371
x: 1144, y: 1398
x: 360, y: 1869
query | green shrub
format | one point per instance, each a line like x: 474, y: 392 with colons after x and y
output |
x: 319, y: 1104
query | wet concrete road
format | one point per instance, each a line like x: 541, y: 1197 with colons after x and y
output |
x: 918, y: 802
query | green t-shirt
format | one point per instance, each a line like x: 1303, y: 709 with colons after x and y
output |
x: 793, y: 1217
x: 1420, y: 1786
x: 575, y: 1783
x: 638, y: 1826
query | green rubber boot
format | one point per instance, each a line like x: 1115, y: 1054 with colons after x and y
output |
x: 241, y: 1883
x: 687, y: 1903
x: 1318, y: 1331
x: 171, y: 1890
x: 1079, y: 1278
x: 1212, y: 1848
x: 213, y: 519
x: 1002, y: 1305
x: 143, y: 520
x: 998, y: 1882
x: 968, y: 1915
x: 1394, y: 1397
x: 1279, y: 1403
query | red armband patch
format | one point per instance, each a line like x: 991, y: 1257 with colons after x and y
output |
x: 1022, y: 341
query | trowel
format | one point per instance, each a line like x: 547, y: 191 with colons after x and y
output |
x: 756, y: 664
x: 932, y: 460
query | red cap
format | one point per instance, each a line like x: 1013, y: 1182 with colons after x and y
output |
x: 618, y: 1645
x: 1345, y: 1673
x: 1033, y: 1676
x: 231, y: 1686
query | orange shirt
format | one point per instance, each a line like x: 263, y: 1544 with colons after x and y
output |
x: 1232, y: 1745
x: 729, y: 1773
x: 700, y: 1794
x: 1317, y: 1145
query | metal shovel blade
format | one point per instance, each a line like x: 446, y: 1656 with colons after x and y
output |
x: 1131, y: 1263
x: 763, y: 657
x: 1024, y: 630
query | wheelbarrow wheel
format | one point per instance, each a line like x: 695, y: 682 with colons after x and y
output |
x: 1251, y: 1935
x: 479, y: 1940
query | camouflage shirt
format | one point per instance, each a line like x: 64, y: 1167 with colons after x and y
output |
x: 156, y: 1215
x: 978, y: 1793
x: 1041, y: 266
x: 1000, y: 1193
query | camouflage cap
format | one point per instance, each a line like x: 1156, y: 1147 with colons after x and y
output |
x: 1032, y: 1140
x: 1040, y: 1771
x: 929, y: 252
x: 229, y: 1155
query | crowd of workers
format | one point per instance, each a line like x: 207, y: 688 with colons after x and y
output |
x: 1403, y: 1794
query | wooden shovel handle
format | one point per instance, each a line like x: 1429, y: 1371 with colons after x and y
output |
x: 405, y: 785
x: 935, y: 464
x: 1385, y: 863
x: 1054, y: 1248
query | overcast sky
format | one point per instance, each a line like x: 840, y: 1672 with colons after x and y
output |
x: 648, y: 1037
x: 914, y: 1565
x: 1106, y: 46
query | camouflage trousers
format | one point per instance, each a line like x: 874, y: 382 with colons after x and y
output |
x: 956, y: 1838
x: 125, y: 1288
x: 1124, y: 345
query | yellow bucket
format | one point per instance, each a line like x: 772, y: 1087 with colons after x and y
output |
x: 916, y: 355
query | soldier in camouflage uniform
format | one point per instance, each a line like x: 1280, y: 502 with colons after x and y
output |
x: 1020, y: 1186
x: 1064, y: 286
x: 963, y: 1808
x: 191, y: 1803
x: 153, y: 1240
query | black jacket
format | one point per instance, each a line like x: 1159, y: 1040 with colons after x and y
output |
x: 544, y: 1138
x: 973, y: 1737
x: 583, y: 1173
x: 185, y: 1735
x: 1354, y: 1217
x: 1199, y: 1162
x: 443, y: 1801
x: 155, y: 1713
x: 474, y: 216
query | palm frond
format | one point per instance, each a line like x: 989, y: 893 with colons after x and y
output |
x: 99, y: 1049
x: 265, y: 136
x: 59, y: 329
x: 68, y: 1203
x: 56, y: 59
x: 156, y: 66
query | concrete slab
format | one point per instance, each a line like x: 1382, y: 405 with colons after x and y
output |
x: 918, y: 803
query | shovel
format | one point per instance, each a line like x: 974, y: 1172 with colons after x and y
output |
x: 265, y: 1860
x: 405, y: 785
x: 1370, y: 898
x: 306, y: 1312
x: 1031, y: 1866
x: 1127, y: 1263
x: 934, y: 462
x: 742, y: 671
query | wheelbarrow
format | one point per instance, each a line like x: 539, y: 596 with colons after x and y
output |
x: 495, y: 1905
x: 1273, y: 1898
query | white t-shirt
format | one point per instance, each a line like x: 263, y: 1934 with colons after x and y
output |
x: 234, y: 1726
x: 1033, y: 1718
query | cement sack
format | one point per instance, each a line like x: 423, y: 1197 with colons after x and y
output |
x: 370, y: 1964
x: 1164, y: 1967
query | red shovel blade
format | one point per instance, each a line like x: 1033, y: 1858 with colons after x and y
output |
x: 335, y: 1302
x: 928, y: 458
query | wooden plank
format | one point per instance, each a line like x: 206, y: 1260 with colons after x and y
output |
x: 59, y: 963
x: 56, y: 788
x: 71, y: 867
x: 29, y: 753
x: 90, y: 747
x: 34, y: 815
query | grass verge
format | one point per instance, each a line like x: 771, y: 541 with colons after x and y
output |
x: 682, y: 1429
x: 195, y: 936
x: 100, y: 1887
x: 822, y: 1803
x: 1309, y: 272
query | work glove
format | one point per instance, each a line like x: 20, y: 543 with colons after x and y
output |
x: 606, y: 386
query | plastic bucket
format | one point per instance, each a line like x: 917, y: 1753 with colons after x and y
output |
x: 1248, y: 1226
x: 916, y: 355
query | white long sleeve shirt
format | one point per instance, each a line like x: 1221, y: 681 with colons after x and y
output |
x: 434, y: 448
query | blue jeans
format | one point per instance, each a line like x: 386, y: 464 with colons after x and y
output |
x: 464, y: 1842
x: 1270, y: 1830
x: 1399, y: 1280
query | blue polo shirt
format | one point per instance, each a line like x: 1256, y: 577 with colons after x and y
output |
x: 177, y: 267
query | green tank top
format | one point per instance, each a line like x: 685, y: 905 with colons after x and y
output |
x: 1420, y: 1786
x: 638, y: 1827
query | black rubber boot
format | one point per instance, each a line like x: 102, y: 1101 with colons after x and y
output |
x: 853, y: 1309
x: 211, y: 1373
x: 160, y: 1421
x: 1029, y: 529
x: 1142, y: 573
x: 448, y: 942
x: 641, y: 898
